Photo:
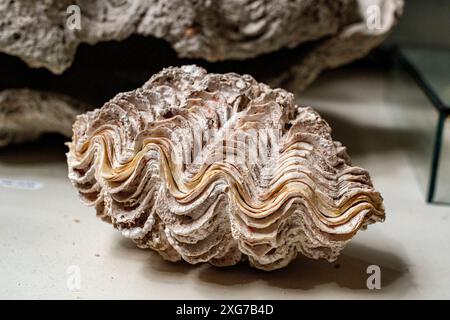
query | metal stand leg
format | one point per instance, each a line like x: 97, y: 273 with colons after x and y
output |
x: 435, y: 160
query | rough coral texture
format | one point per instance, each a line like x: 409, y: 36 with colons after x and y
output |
x: 378, y: 18
x: 26, y: 114
x: 167, y: 165
x: 37, y: 31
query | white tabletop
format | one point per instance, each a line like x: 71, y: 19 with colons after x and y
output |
x: 48, y: 237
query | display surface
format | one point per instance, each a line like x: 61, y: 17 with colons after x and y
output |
x: 47, y: 230
x: 219, y: 168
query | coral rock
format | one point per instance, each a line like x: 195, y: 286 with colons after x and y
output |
x: 220, y: 168
x: 26, y: 114
x: 327, y: 34
x: 37, y: 31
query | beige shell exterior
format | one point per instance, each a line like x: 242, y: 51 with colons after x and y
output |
x: 136, y: 161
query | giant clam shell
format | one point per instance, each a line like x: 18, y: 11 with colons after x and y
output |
x: 219, y: 168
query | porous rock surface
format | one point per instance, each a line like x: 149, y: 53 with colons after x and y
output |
x: 38, y: 33
x: 27, y: 114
